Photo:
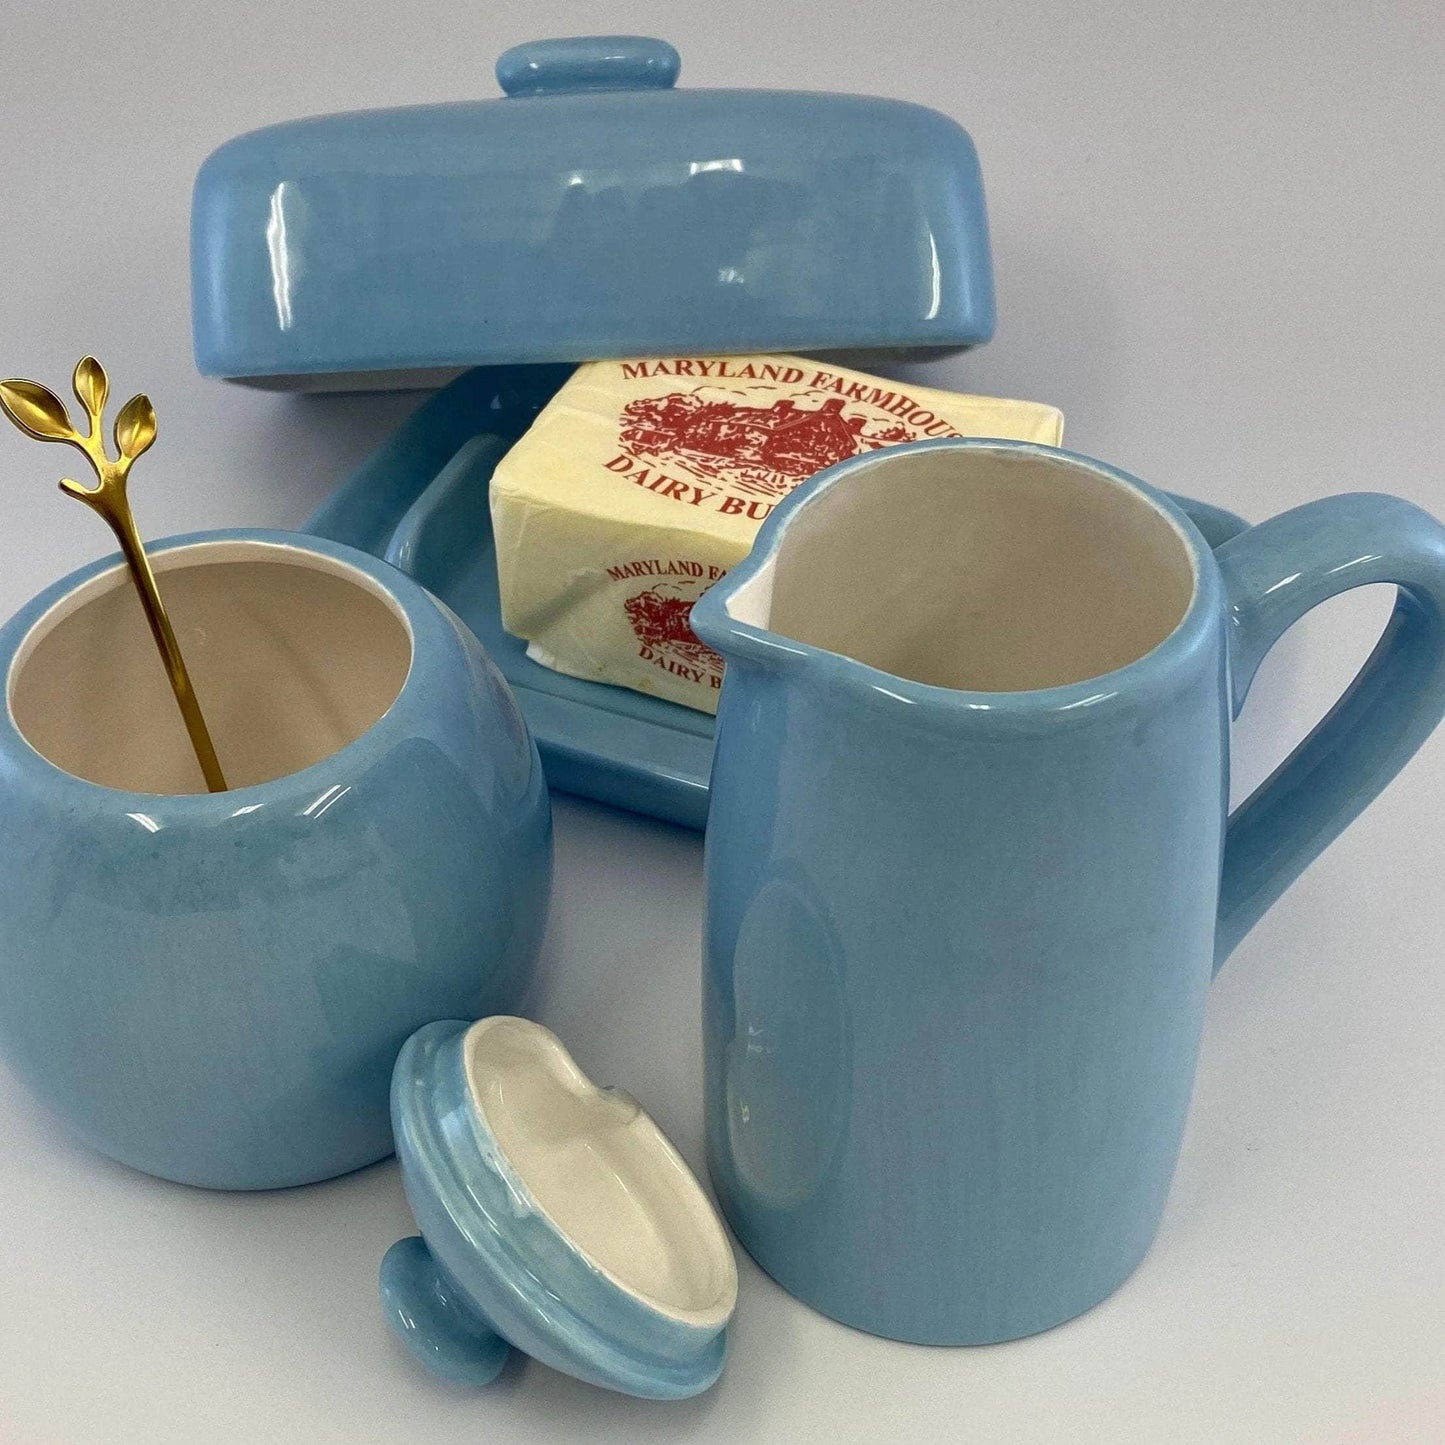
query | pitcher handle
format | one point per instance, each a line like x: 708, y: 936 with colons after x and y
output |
x: 1273, y: 574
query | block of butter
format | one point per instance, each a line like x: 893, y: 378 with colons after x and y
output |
x: 642, y: 482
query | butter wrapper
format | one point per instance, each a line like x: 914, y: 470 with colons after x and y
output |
x: 642, y: 482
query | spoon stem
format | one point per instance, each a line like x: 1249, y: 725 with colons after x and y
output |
x: 165, y: 638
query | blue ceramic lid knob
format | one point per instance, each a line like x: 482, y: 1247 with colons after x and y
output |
x: 555, y: 1217
x: 588, y: 62
x: 434, y: 1320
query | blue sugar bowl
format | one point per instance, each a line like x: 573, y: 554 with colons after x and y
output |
x: 214, y: 988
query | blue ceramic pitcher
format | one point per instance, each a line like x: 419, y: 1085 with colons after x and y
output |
x: 970, y: 867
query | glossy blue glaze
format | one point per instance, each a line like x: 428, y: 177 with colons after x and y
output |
x: 588, y: 62
x: 958, y: 943
x: 421, y: 501
x: 493, y: 1264
x: 214, y: 988
x: 594, y: 211
x: 431, y: 1315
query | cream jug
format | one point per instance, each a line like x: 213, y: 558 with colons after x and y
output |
x: 969, y: 863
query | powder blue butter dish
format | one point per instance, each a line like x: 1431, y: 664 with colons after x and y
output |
x: 555, y: 1217
x: 595, y: 210
x: 421, y: 502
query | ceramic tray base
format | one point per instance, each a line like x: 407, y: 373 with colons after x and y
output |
x: 421, y: 503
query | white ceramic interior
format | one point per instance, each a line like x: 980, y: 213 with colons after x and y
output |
x: 292, y: 654
x: 603, y: 1173
x: 991, y: 571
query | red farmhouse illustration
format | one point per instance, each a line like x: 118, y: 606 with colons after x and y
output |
x: 785, y: 439
x: 660, y: 619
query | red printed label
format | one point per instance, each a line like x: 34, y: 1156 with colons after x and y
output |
x: 751, y: 432
x: 658, y: 614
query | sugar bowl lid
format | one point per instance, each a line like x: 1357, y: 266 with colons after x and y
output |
x: 594, y: 211
x: 555, y: 1217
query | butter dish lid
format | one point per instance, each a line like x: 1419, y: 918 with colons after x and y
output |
x: 593, y: 211
x: 555, y: 1218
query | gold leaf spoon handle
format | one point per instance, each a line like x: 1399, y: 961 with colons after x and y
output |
x: 39, y: 413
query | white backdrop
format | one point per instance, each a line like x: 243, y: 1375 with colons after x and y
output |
x: 1217, y: 234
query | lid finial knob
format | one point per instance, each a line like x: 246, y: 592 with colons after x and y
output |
x: 588, y: 62
x: 434, y: 1321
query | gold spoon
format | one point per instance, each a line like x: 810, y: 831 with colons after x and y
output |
x: 39, y: 413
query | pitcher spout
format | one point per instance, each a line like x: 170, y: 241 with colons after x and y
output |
x: 732, y: 617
